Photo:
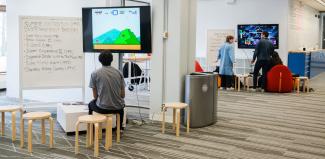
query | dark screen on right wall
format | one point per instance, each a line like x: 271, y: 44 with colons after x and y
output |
x: 323, y: 24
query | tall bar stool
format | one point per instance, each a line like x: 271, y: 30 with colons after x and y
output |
x: 176, y: 116
x: 31, y: 117
x: 92, y: 120
x: 13, y: 110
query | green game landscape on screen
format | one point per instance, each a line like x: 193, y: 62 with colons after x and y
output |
x: 116, y: 37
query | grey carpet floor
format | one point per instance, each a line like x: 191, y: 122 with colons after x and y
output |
x: 250, y: 126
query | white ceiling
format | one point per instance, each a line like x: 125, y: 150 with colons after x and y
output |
x: 315, y: 4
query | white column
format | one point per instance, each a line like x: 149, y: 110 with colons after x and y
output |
x: 179, y: 52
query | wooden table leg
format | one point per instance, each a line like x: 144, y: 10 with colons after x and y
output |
x: 304, y: 86
x: 298, y: 85
x: 3, y: 123
x: 13, y: 125
x: 188, y: 119
x: 178, y: 118
x: 21, y: 133
x: 30, y: 136
x: 96, y: 142
x: 43, y: 131
x: 108, y: 142
x: 307, y: 85
x: 118, y: 126
x: 51, y: 132
x: 76, y: 150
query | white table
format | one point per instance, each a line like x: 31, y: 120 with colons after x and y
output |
x: 67, y: 116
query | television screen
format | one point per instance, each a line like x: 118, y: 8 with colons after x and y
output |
x: 249, y: 35
x: 119, y: 29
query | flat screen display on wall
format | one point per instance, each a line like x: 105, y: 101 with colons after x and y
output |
x: 250, y: 34
x: 119, y: 29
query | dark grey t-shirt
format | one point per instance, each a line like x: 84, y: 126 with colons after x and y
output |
x: 108, y: 82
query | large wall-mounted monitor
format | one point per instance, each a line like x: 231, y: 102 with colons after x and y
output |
x: 250, y: 34
x: 118, y: 29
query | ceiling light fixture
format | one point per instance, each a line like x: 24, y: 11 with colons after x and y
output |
x: 321, y: 2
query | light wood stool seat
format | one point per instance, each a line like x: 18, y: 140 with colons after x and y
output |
x: 36, y: 116
x: 92, y: 120
x: 237, y: 81
x: 297, y: 83
x: 10, y: 109
x: 176, y: 116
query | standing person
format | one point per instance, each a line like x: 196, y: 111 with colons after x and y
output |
x: 262, y: 56
x: 226, y: 57
x: 108, y: 88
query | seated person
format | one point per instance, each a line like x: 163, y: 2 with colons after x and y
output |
x: 108, y: 87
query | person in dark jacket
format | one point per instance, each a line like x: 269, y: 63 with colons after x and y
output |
x: 262, y: 56
x: 275, y: 59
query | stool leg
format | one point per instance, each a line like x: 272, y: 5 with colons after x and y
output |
x: 51, y: 131
x: 43, y: 131
x: 91, y: 135
x: 188, y: 119
x: 88, y: 135
x: 13, y: 125
x: 304, y: 86
x: 298, y: 86
x: 100, y: 133
x: 307, y: 85
x: 21, y: 133
x: 174, y: 118
x: 118, y: 126
x: 96, y: 144
x: 30, y: 135
x: 3, y: 120
x: 178, y: 118
x: 76, y: 146
x: 238, y: 84
x: 108, y: 142
x: 163, y: 121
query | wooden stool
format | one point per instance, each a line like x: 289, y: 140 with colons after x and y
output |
x: 12, y: 110
x: 297, y: 83
x: 92, y: 120
x: 35, y: 116
x: 118, y: 126
x: 237, y: 81
x: 176, y: 116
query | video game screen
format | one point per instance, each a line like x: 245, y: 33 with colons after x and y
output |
x: 116, y: 28
x: 249, y: 35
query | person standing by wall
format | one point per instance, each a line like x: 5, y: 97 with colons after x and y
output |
x: 227, y: 57
x: 262, y: 56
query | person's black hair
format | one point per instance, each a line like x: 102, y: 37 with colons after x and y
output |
x: 266, y: 34
x: 105, y: 58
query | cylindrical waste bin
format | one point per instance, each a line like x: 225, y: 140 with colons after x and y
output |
x: 201, y: 95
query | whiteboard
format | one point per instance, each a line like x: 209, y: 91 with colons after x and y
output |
x: 51, y: 54
x: 215, y: 39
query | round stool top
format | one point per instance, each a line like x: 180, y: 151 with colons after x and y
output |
x: 107, y: 115
x: 175, y: 105
x: 37, y: 115
x: 92, y: 118
x: 303, y: 78
x: 10, y: 108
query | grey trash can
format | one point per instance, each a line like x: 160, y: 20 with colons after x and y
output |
x: 201, y: 95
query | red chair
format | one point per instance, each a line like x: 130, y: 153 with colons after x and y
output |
x: 198, y: 67
x: 279, y: 79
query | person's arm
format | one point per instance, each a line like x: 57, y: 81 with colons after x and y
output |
x: 219, y: 55
x: 95, y: 94
x: 232, y: 54
x: 122, y: 86
x: 256, y: 52
x: 92, y: 84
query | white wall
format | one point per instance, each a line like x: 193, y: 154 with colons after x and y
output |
x: 64, y: 8
x: 217, y: 14
x: 308, y: 36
